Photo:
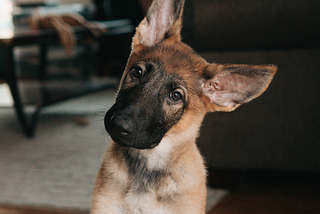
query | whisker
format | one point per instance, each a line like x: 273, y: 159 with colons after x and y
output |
x: 101, y: 111
x: 103, y: 132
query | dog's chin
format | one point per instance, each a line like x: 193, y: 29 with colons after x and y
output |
x: 134, y: 145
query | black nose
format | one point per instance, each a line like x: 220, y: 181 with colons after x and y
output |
x: 121, y: 126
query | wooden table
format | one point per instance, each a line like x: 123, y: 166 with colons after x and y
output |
x: 13, y: 34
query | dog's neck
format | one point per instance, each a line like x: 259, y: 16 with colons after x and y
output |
x: 158, y: 158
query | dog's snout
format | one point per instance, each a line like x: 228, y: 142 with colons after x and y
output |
x: 121, y: 126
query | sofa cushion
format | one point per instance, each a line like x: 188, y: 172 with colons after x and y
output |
x: 251, y: 24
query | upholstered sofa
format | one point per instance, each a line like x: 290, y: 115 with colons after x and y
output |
x: 280, y: 129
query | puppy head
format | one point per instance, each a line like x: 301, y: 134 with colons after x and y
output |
x: 165, y: 81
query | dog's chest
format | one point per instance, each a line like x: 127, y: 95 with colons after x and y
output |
x: 145, y: 203
x: 151, y: 188
x: 151, y: 195
x: 146, y: 173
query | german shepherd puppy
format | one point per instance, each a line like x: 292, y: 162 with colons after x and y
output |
x: 152, y: 165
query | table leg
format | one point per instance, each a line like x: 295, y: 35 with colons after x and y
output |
x: 12, y: 80
x: 43, y: 61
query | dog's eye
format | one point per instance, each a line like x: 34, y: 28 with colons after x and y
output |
x: 175, y: 96
x: 136, y: 72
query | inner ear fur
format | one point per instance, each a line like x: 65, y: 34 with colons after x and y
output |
x: 163, y: 20
x: 226, y: 87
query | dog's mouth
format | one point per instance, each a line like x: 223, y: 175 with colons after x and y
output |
x: 117, y: 140
x: 133, y: 143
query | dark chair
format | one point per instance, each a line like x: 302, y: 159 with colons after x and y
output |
x: 114, y: 51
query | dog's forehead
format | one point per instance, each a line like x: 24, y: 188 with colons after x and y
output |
x: 172, y: 59
x: 177, y: 57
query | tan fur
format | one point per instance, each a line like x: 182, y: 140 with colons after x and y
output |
x: 206, y: 88
x: 187, y: 179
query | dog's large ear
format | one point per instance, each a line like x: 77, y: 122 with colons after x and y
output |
x: 163, y: 20
x: 225, y: 87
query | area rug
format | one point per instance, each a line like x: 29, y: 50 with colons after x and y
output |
x: 57, y: 167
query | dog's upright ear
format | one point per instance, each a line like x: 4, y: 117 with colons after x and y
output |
x: 163, y: 20
x: 225, y: 87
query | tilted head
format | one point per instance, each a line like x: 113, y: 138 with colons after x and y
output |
x: 165, y: 81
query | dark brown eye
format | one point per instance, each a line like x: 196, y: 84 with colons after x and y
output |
x: 175, y: 96
x: 136, y: 72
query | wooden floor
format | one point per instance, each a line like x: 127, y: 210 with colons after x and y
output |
x: 291, y: 193
x: 27, y: 210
